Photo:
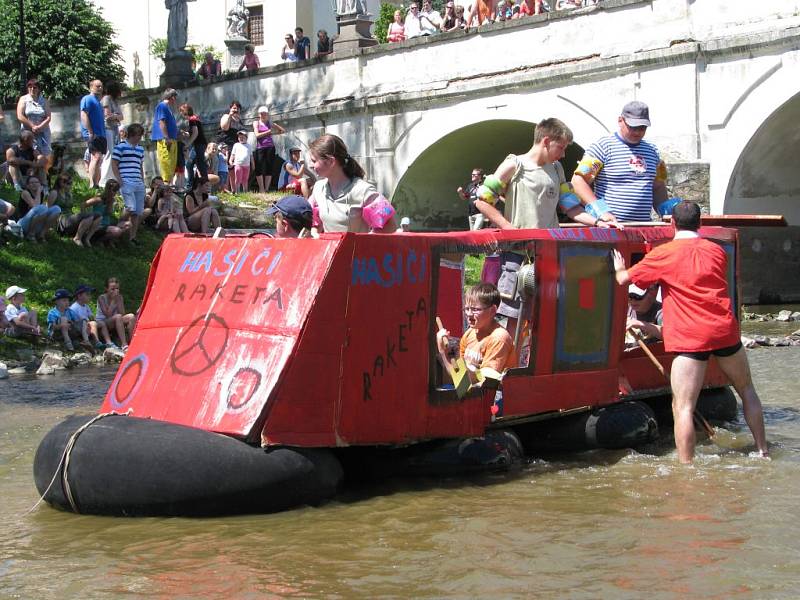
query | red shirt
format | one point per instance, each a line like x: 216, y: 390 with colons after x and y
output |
x: 698, y: 314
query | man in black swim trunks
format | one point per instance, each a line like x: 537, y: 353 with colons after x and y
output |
x: 698, y: 322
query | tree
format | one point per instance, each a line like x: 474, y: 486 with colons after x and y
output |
x: 385, y: 18
x: 69, y: 43
x: 158, y: 48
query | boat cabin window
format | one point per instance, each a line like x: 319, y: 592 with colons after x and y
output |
x: 457, y: 273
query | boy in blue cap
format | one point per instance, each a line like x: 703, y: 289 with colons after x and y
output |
x: 61, y: 318
x: 293, y: 217
x: 83, y: 314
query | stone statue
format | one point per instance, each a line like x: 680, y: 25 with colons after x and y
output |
x: 138, y: 76
x: 237, y: 21
x: 350, y: 7
x: 177, y: 25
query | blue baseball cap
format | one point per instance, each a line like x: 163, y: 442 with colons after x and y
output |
x: 62, y: 293
x: 83, y: 288
x: 292, y: 207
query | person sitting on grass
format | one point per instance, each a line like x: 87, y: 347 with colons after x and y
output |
x: 296, y: 177
x: 4, y: 323
x: 111, y: 312
x: 36, y: 214
x: 90, y: 331
x: 6, y: 212
x: 61, y: 320
x: 81, y: 226
x: 107, y: 232
x: 23, y: 322
x: 24, y: 159
x: 486, y: 346
x: 169, y: 208
x: 292, y: 217
x: 201, y: 213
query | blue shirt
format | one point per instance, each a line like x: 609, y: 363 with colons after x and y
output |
x: 130, y: 162
x: 163, y: 113
x: 54, y: 316
x: 90, y: 104
x: 626, y: 179
x: 301, y: 47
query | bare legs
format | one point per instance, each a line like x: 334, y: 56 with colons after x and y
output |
x: 95, y: 160
x: 686, y: 379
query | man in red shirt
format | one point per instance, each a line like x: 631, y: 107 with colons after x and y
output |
x: 698, y: 322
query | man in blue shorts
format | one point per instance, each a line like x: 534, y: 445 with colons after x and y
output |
x: 126, y: 163
x: 93, y: 128
x: 621, y: 176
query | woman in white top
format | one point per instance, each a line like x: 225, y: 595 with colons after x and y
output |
x: 341, y: 193
x: 289, y: 52
x: 33, y: 114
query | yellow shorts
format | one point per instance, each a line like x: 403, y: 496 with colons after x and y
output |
x: 167, y: 159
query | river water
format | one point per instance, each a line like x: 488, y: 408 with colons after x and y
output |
x: 601, y: 524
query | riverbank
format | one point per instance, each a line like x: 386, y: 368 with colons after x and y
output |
x: 59, y: 263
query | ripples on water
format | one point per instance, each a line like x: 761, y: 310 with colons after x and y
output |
x: 619, y: 524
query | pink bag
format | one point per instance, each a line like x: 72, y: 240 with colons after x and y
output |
x: 377, y: 213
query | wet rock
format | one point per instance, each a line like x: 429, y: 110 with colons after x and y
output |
x: 113, y: 356
x: 749, y: 342
x: 796, y: 333
x: 796, y: 316
x: 784, y: 341
x: 761, y: 340
x: 17, y: 371
x: 784, y: 315
x: 52, y: 361
x: 3, y: 371
x: 79, y: 359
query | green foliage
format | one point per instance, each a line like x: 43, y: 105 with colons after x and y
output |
x: 158, y: 48
x: 385, y: 18
x: 69, y: 43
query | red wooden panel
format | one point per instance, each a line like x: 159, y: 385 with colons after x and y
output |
x: 220, y: 322
x: 384, y: 386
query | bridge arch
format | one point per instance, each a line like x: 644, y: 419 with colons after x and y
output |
x: 426, y: 192
x: 754, y: 147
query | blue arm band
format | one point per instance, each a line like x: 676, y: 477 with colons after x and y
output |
x: 597, y: 208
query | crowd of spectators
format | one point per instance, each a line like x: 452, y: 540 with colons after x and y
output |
x: 424, y: 20
x: 68, y: 322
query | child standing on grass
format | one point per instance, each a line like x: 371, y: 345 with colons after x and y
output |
x: 62, y: 319
x: 242, y: 161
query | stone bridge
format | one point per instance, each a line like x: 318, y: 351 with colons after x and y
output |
x: 721, y: 78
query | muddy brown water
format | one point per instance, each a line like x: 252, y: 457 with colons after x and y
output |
x: 603, y: 524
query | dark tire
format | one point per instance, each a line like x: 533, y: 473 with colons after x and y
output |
x: 130, y: 466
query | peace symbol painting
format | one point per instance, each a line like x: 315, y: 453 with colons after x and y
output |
x: 219, y: 321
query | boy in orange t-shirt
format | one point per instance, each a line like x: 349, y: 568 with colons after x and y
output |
x: 486, y: 346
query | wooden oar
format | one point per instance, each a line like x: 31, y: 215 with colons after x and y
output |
x: 698, y: 418
x: 456, y: 368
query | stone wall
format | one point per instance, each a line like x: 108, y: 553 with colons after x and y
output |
x: 690, y: 181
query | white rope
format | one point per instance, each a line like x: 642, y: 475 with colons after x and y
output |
x: 65, y: 456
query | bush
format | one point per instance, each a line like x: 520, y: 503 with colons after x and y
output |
x: 68, y: 46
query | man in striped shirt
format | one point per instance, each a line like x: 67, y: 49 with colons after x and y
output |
x: 621, y: 176
x: 126, y: 162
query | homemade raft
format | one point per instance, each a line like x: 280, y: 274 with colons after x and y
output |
x: 261, y: 367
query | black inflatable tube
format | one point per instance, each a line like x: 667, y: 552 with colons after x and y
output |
x: 621, y: 425
x: 141, y: 467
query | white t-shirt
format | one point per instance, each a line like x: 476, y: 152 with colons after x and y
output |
x: 240, y: 154
x: 84, y: 313
x: 343, y: 212
x: 12, y: 312
x: 429, y: 22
